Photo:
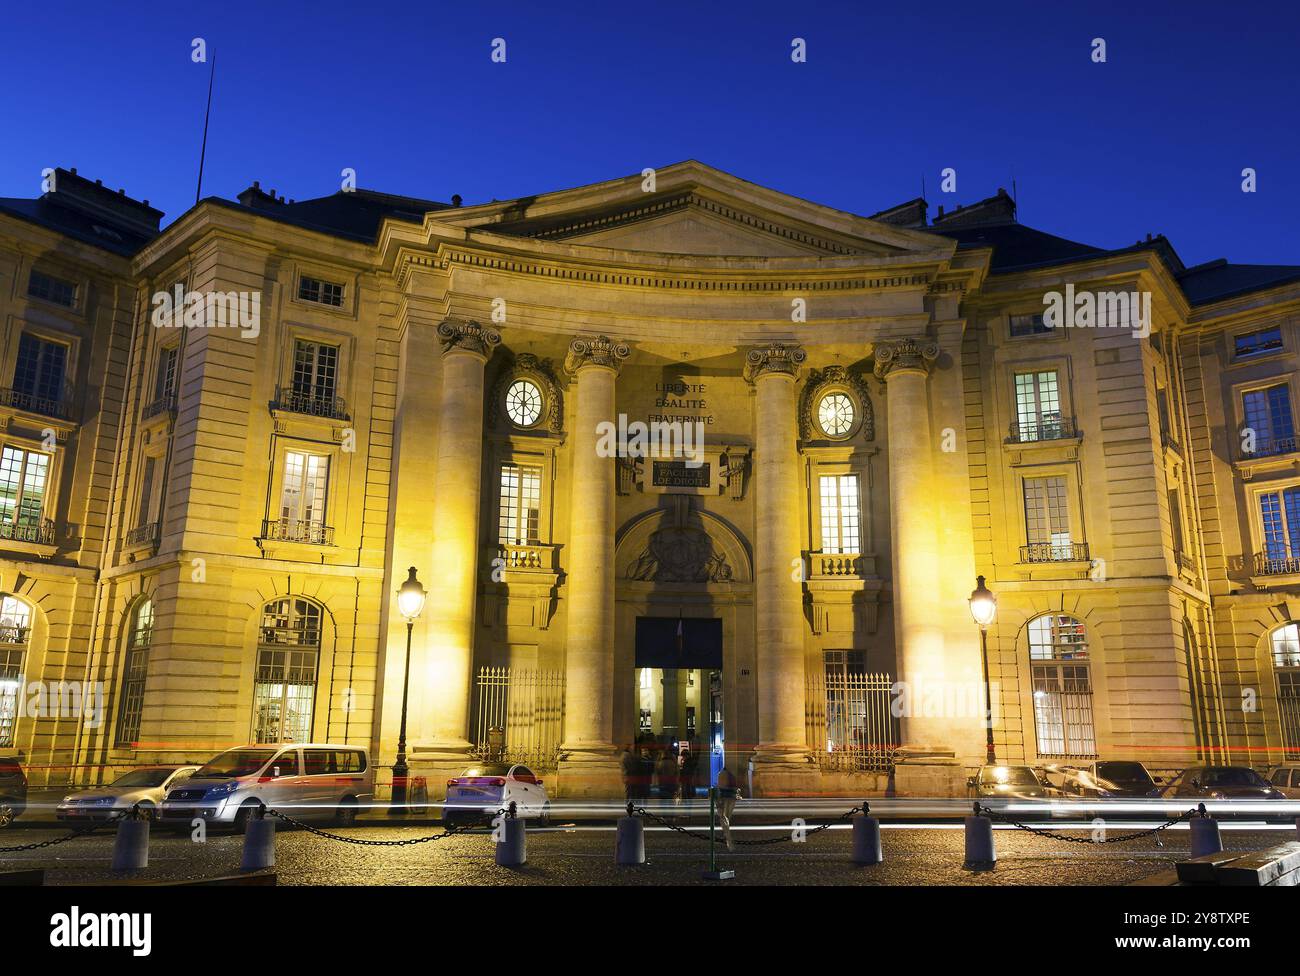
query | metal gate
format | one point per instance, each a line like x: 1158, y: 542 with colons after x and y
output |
x: 520, y: 715
x: 849, y: 723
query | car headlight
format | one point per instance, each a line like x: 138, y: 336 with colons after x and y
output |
x: 68, y: 799
x: 225, y: 789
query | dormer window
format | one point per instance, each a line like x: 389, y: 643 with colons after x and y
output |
x: 51, y: 289
x: 1256, y: 343
x: 319, y: 291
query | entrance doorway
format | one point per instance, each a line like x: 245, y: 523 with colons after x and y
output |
x: 679, y: 701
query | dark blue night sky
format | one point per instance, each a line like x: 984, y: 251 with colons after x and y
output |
x: 1153, y: 141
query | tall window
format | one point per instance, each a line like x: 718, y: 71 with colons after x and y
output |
x: 23, y: 477
x: 303, y: 494
x: 38, y: 374
x: 165, y: 381
x: 1279, y: 513
x: 144, y: 510
x: 841, y: 516
x: 15, y: 631
x: 1286, y: 665
x: 288, y: 655
x: 315, y: 370
x: 1038, y: 406
x: 521, y: 504
x: 1058, y: 657
x: 138, y: 640
x: 1047, y: 518
x: 1268, y: 414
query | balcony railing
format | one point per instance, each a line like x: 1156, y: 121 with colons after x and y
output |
x: 40, y: 532
x: 1054, y: 552
x: 836, y: 564
x: 1271, y: 447
x: 143, y: 535
x: 1042, y: 429
x: 45, y: 406
x: 1277, y: 562
x: 164, y: 404
x: 526, y: 556
x: 305, y: 531
x: 295, y: 401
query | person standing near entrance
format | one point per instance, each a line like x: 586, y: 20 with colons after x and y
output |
x: 667, y: 770
x: 726, y: 803
x: 630, y: 765
x: 690, y: 764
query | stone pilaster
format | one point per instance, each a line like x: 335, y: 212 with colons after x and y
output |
x: 452, y: 578
x: 782, y: 761
x: 914, y: 504
x: 588, y: 758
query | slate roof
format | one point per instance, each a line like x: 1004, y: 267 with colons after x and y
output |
x: 77, y: 224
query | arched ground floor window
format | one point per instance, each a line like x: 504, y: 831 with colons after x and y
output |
x: 1062, y: 686
x: 1285, y: 643
x: 288, y: 656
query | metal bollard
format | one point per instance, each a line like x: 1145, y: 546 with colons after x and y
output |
x: 980, y: 853
x: 512, y: 850
x: 866, y: 837
x: 131, y: 847
x: 1205, y: 834
x: 629, y: 843
x: 259, y: 842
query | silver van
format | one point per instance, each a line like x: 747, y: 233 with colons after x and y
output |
x: 311, y: 781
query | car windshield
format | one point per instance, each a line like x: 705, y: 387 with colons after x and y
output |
x: 143, y: 777
x: 236, y: 762
x: 1231, y: 776
x: 1010, y: 776
x: 486, y: 769
x: 1123, y: 772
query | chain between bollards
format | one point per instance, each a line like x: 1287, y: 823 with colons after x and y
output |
x: 983, y: 810
x: 784, y: 838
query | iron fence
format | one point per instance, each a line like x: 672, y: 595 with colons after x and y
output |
x: 849, y: 721
x: 520, y: 715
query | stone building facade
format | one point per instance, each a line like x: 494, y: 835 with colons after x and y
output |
x: 225, y: 442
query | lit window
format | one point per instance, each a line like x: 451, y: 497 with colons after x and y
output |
x: 1062, y: 686
x: 303, y: 494
x: 134, y: 674
x: 523, y: 403
x: 1257, y: 343
x: 1038, y: 406
x: 315, y: 370
x: 15, y: 630
x: 52, y: 289
x: 840, y: 513
x: 1047, y: 519
x: 1286, y: 665
x: 835, y: 414
x: 23, y: 477
x: 521, y: 504
x: 321, y: 292
x: 288, y: 654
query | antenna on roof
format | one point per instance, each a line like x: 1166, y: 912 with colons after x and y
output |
x: 1014, y: 199
x: 922, y: 186
x: 207, y: 115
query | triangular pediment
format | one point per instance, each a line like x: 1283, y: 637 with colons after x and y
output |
x: 690, y: 208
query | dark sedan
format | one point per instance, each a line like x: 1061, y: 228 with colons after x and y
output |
x: 13, y: 791
x: 1237, y: 783
x: 1108, y: 779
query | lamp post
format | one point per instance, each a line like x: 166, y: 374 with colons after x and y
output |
x: 410, y: 601
x: 983, y: 607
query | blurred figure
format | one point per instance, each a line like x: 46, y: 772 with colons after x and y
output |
x: 726, y: 803
x: 645, y: 770
x: 630, y: 766
x: 667, y: 772
x: 689, y: 771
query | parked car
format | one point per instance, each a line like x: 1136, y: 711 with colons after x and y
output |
x: 1239, y: 783
x: 1286, y: 780
x: 145, y: 787
x: 1105, y: 779
x: 482, y: 790
x: 311, y: 781
x: 1007, y: 783
x: 13, y: 790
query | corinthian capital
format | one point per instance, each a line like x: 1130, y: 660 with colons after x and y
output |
x: 899, y: 354
x: 773, y: 358
x: 595, y: 351
x: 467, y: 336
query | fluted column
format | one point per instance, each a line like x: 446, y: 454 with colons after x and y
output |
x: 782, y: 756
x: 455, y: 510
x: 914, y: 501
x: 588, y: 760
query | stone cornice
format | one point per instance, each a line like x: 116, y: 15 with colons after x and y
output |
x: 603, y: 351
x: 894, y: 355
x: 776, y: 358
x: 467, y: 337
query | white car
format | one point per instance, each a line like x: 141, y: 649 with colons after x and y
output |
x: 483, y: 790
x: 1286, y: 780
x: 146, y: 786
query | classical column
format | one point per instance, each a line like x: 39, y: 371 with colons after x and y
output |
x: 782, y: 761
x: 588, y: 759
x: 452, y: 573
x: 914, y: 506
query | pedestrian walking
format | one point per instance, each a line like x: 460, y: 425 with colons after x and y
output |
x: 726, y: 802
x: 667, y: 772
x: 689, y: 770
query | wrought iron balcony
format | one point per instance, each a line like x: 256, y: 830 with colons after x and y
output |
x: 297, y: 401
x: 164, y: 404
x: 143, y: 535
x: 305, y: 531
x: 1054, y: 552
x: 1277, y: 562
x: 1271, y: 447
x: 45, y: 406
x: 39, y: 532
x: 1042, y: 429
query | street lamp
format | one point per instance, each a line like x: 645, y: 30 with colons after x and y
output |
x: 983, y: 608
x: 410, y: 601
